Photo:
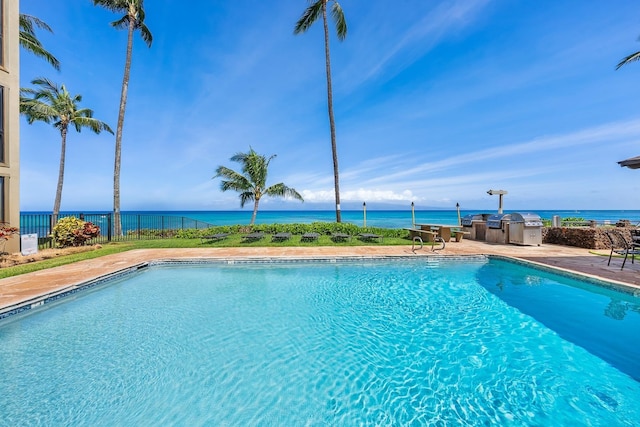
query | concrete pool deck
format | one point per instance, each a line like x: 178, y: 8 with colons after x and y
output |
x: 27, y: 287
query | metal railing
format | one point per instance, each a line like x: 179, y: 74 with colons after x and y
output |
x: 134, y: 226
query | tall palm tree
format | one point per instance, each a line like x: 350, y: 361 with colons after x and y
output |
x: 311, y: 14
x: 132, y: 20
x: 251, y: 183
x: 52, y: 103
x: 30, y: 42
x: 631, y: 58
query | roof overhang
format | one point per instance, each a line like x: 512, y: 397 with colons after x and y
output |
x: 632, y: 163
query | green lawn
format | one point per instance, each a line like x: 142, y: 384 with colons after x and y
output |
x: 234, y: 240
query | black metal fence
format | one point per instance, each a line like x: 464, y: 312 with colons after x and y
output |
x: 134, y: 226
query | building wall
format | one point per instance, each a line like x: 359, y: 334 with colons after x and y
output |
x: 10, y: 82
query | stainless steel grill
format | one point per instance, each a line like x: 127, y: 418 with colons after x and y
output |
x: 525, y: 229
x: 495, y: 221
x: 476, y: 225
x: 467, y: 220
x: 498, y: 229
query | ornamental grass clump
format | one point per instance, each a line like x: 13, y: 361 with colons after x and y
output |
x: 71, y: 231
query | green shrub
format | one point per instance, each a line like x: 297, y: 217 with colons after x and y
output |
x: 323, y: 228
x: 152, y: 233
x: 71, y: 231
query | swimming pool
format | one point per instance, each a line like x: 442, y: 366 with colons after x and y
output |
x: 386, y: 342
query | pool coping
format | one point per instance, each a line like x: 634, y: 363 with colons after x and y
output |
x: 39, y: 301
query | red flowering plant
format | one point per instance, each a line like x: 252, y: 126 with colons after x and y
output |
x: 6, y: 232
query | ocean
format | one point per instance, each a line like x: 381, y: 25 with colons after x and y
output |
x: 374, y: 218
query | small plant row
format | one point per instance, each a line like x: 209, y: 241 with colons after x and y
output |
x: 323, y: 228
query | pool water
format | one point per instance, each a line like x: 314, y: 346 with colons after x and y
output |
x: 403, y: 342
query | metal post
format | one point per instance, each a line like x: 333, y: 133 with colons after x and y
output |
x: 364, y: 210
x: 413, y: 215
x: 500, y: 193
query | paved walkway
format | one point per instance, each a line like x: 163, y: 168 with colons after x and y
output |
x: 27, y: 287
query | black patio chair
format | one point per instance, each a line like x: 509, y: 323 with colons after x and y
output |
x: 621, y: 246
x: 309, y: 237
x: 280, y: 237
x: 214, y: 237
x: 253, y: 237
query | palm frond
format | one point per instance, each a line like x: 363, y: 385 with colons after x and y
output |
x: 122, y: 23
x: 281, y: 190
x: 225, y: 172
x: 309, y: 16
x: 95, y: 125
x: 113, y: 5
x: 29, y: 41
x: 29, y: 22
x: 146, y: 34
x: 338, y: 18
x: 47, y: 85
x: 245, y: 197
x: 631, y: 58
x: 232, y: 180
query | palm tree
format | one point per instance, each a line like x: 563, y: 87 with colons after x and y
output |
x: 30, y: 42
x: 53, y: 103
x: 132, y: 20
x: 631, y: 58
x: 251, y: 183
x: 311, y: 15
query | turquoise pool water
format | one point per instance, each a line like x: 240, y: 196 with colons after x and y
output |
x: 403, y: 342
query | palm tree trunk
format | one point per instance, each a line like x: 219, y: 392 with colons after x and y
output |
x: 117, y: 223
x: 56, y: 203
x: 255, y: 211
x: 332, y: 123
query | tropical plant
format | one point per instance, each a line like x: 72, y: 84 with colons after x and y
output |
x: 310, y: 15
x: 631, y: 58
x: 251, y: 183
x: 132, y: 20
x: 52, y: 103
x: 30, y: 42
x: 71, y: 231
x: 6, y: 232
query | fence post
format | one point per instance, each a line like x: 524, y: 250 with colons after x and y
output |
x: 109, y: 222
x: 52, y: 222
x: 138, y: 226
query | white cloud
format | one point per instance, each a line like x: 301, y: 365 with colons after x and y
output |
x: 421, y: 37
x: 359, y: 195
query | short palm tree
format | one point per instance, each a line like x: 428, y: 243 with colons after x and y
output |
x: 52, y: 103
x: 316, y: 9
x: 631, y: 58
x: 30, y: 42
x: 251, y: 183
x: 132, y: 20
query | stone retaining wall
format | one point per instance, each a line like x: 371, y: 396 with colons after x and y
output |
x: 582, y: 237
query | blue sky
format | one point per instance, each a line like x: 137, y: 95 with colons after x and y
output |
x: 436, y: 102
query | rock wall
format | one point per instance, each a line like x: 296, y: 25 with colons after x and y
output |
x: 582, y: 237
